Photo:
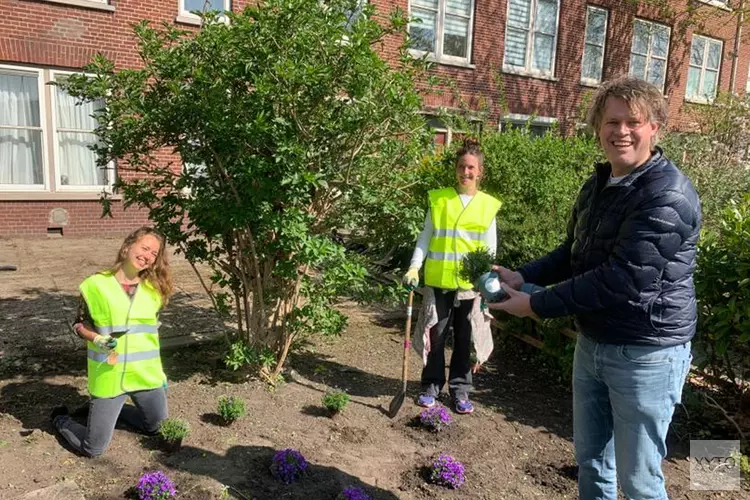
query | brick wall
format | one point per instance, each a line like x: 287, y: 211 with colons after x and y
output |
x: 51, y: 35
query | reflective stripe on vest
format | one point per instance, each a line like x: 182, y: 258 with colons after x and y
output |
x: 458, y: 230
x: 138, y: 365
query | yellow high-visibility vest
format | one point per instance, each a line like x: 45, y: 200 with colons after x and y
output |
x: 138, y: 364
x: 457, y: 231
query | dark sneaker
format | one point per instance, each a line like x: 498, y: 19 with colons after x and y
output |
x: 464, y: 407
x: 57, y: 411
x: 426, y: 401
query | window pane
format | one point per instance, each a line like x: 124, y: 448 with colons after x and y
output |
x: 694, y: 76
x: 519, y: 13
x: 592, y: 62
x: 423, y: 33
x: 456, y: 31
x: 542, y: 58
x: 659, y: 41
x: 640, y: 38
x: 458, y: 7
x: 595, y: 26
x: 427, y: 4
x: 19, y: 100
x: 696, y: 51
x: 20, y: 156
x: 656, y: 72
x: 71, y: 115
x: 515, y: 47
x: 77, y: 162
x: 714, y: 55
x: 637, y: 66
x: 546, y: 17
x: 709, y: 84
x: 199, y: 5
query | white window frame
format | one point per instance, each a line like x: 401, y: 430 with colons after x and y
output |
x: 41, y: 90
x: 527, y: 70
x: 699, y: 98
x: 186, y: 15
x: 438, y: 55
x: 593, y: 81
x: 521, y: 119
x: 648, y: 54
x: 110, y: 171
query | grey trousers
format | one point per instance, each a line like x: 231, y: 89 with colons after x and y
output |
x: 149, y: 410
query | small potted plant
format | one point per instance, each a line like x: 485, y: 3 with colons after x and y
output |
x: 288, y: 465
x: 448, y: 472
x: 154, y: 486
x: 435, y: 419
x: 335, y: 401
x: 353, y: 493
x: 230, y: 409
x: 172, y: 431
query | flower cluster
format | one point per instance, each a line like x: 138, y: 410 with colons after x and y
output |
x: 353, y: 493
x: 447, y: 471
x: 155, y: 486
x: 435, y: 418
x: 288, y: 465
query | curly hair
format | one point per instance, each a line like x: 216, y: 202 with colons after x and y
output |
x: 642, y: 98
x: 158, y: 275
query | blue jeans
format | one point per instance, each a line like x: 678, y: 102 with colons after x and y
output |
x: 623, y: 401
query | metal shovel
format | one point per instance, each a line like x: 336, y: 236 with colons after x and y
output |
x: 398, y: 400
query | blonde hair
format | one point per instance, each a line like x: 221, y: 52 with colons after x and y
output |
x: 158, y: 274
x: 642, y: 97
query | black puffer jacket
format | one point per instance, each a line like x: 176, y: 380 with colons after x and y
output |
x: 626, y: 267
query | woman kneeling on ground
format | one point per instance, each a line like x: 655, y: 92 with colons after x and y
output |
x: 118, y: 317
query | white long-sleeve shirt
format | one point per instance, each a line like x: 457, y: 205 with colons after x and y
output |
x: 489, y: 238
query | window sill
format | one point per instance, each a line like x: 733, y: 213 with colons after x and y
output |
x: 717, y: 4
x: 531, y: 74
x: 698, y: 100
x: 193, y: 21
x: 443, y: 61
x: 56, y: 196
x: 86, y: 4
x: 590, y: 84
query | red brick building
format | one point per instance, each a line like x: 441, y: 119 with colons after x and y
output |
x: 512, y: 61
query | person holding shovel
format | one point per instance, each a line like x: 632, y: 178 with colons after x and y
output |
x: 118, y: 318
x: 459, y: 220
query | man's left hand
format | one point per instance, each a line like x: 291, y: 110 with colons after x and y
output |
x: 517, y: 303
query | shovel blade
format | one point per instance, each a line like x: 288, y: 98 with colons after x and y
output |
x: 396, y: 404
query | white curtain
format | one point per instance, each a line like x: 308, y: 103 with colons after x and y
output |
x: 75, y: 161
x: 20, y: 149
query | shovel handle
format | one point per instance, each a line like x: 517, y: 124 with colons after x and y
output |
x: 407, y: 340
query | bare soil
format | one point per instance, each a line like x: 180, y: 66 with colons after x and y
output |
x: 517, y: 444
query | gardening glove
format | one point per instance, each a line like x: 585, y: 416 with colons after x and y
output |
x: 411, y: 278
x: 105, y: 342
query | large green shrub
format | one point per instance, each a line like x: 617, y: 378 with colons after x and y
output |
x: 722, y: 283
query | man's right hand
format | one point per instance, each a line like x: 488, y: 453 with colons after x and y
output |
x: 511, y: 278
x: 411, y: 278
x: 105, y: 342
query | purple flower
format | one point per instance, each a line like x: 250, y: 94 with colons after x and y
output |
x: 155, y: 486
x: 448, y: 472
x: 288, y: 465
x: 436, y: 418
x: 353, y: 493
